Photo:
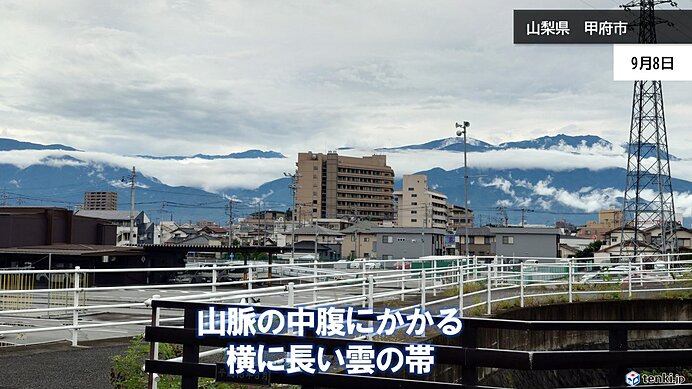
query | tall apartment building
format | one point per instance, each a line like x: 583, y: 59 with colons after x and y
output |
x: 334, y: 186
x: 418, y: 206
x: 100, y: 201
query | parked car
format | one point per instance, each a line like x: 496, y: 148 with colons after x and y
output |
x: 369, y: 264
x: 235, y: 274
x: 191, y: 278
x: 401, y: 265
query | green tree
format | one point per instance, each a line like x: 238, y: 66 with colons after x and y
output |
x: 589, y: 250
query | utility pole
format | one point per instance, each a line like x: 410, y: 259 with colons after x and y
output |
x: 464, y: 126
x: 133, y: 174
x: 230, y: 226
x: 316, y: 236
x: 523, y: 214
x: 503, y: 215
x: 426, y: 213
x: 293, y: 186
x: 648, y: 141
x: 261, y: 222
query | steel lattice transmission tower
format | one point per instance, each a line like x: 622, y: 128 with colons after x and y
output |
x: 648, y: 198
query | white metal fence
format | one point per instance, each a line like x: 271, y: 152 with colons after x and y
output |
x: 476, y: 285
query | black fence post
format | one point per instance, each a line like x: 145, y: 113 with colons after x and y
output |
x: 617, y: 341
x: 190, y: 351
x: 152, y: 345
x: 469, y: 373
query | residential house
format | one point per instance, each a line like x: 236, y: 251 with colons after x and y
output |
x: 329, y: 239
x: 606, y: 253
x: 567, y: 251
x: 575, y: 241
x: 683, y: 236
x: 121, y: 219
x: 524, y: 242
x: 372, y: 241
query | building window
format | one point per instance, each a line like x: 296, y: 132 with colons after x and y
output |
x: 411, y: 189
x: 414, y: 212
x: 414, y: 203
x: 387, y: 239
x: 508, y: 240
x: 414, y: 220
x: 401, y: 239
x: 414, y: 195
x: 366, y: 239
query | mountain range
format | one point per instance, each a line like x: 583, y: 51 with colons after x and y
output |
x: 475, y: 145
x: 240, y: 155
x: 545, y: 194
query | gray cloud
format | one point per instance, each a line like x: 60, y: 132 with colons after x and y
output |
x: 182, y: 77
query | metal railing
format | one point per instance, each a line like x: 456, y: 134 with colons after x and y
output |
x: 477, y: 285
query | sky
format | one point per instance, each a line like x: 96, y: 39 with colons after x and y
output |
x: 181, y: 77
x: 177, y: 77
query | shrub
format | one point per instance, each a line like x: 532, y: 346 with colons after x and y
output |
x: 126, y: 369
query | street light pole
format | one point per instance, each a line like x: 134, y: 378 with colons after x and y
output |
x: 465, y: 125
x: 293, y: 188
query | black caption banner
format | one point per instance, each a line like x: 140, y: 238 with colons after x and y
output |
x: 597, y: 26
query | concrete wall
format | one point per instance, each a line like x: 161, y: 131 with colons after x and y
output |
x: 639, y: 310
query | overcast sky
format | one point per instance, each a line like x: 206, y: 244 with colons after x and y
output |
x: 185, y: 77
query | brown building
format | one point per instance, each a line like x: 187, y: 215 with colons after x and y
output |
x: 39, y: 226
x: 608, y: 219
x: 459, y: 217
x: 333, y: 186
x: 100, y: 201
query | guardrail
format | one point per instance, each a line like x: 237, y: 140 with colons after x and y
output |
x: 475, y: 284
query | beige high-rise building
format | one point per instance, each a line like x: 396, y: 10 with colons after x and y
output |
x: 100, y: 201
x: 334, y: 186
x: 418, y: 206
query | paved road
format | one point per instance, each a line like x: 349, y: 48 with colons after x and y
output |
x: 59, y: 366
